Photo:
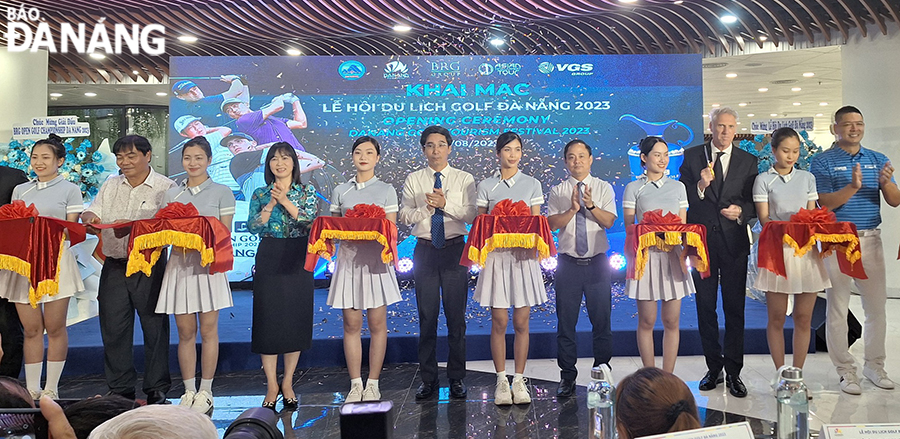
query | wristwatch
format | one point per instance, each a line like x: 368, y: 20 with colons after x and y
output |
x: 591, y: 208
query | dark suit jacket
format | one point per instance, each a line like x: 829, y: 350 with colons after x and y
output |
x: 736, y: 189
x: 9, y: 179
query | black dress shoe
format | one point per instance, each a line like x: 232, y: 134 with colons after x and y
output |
x: 426, y: 390
x: 735, y: 386
x: 457, y: 389
x: 157, y: 397
x: 710, y: 380
x: 566, y: 388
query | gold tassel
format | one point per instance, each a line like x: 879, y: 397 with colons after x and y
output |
x: 157, y: 241
x: 351, y: 235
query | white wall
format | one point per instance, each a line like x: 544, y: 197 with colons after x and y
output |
x: 23, y: 89
x: 871, y: 68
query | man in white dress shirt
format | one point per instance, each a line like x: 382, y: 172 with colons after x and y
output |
x: 137, y: 193
x: 438, y: 201
x: 582, y: 208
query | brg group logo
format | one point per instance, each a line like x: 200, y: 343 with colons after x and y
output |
x: 396, y: 70
x: 352, y: 70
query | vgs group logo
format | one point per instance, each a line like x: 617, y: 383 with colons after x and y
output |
x: 80, y: 37
x: 503, y: 69
x: 352, y: 70
x: 445, y: 69
x: 396, y: 70
x: 580, y: 69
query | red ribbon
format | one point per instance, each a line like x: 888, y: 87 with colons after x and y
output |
x: 820, y: 215
x: 366, y: 211
x: 507, y: 208
x: 177, y: 210
x: 17, y: 209
x: 326, y: 229
x: 656, y: 217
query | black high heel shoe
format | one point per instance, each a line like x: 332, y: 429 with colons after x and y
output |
x: 269, y: 405
x: 290, y: 404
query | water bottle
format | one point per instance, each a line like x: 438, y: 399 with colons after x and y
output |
x: 601, y: 398
x: 793, y: 405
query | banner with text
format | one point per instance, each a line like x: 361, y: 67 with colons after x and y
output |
x: 321, y: 104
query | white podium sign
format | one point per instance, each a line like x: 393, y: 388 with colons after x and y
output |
x: 728, y: 431
x: 861, y: 431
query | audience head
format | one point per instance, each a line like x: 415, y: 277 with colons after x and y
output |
x: 85, y: 415
x: 13, y: 395
x: 157, y: 422
x: 652, y: 401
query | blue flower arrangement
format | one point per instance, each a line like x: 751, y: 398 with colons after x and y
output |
x: 85, y: 166
x: 766, y: 158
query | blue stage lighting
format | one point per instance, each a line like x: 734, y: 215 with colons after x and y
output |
x: 617, y: 261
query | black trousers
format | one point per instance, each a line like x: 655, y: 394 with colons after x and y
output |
x: 731, y: 272
x: 439, y: 277
x: 11, y: 331
x: 573, y: 281
x: 119, y: 298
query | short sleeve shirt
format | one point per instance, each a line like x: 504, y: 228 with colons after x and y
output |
x: 267, y: 129
x: 349, y: 194
x: 210, y: 198
x: 786, y: 194
x: 560, y: 200
x: 644, y: 195
x: 519, y: 187
x: 55, y: 198
x: 833, y: 169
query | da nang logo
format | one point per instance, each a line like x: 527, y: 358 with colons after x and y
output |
x: 27, y: 31
x: 396, y: 70
x: 352, y: 70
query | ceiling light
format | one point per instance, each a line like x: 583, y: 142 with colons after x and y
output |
x: 750, y: 115
x: 796, y: 89
x: 809, y: 75
x: 402, y: 28
x: 97, y: 55
x: 705, y: 115
x: 90, y: 94
x: 715, y: 105
x: 627, y: 1
x: 739, y: 123
x: 819, y: 114
x: 763, y: 38
x: 763, y: 89
x: 497, y: 42
x: 55, y: 95
x: 161, y: 93
x: 187, y: 39
x: 678, y: 2
x: 731, y: 75
x: 728, y: 19
x: 743, y: 129
x: 773, y: 114
x: 742, y: 104
x: 135, y: 72
x: 294, y: 52
x: 797, y: 104
x: 823, y: 104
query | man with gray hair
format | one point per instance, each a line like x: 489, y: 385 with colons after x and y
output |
x: 719, y: 181
x: 157, y: 422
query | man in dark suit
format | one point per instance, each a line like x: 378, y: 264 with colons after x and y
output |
x: 10, y: 327
x: 719, y: 181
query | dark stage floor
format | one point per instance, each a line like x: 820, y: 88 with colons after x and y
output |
x: 321, y: 392
x: 86, y: 348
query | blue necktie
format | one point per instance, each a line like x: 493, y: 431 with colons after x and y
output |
x: 437, y: 219
x: 581, y: 241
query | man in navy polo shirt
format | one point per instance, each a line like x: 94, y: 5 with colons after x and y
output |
x: 850, y: 180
